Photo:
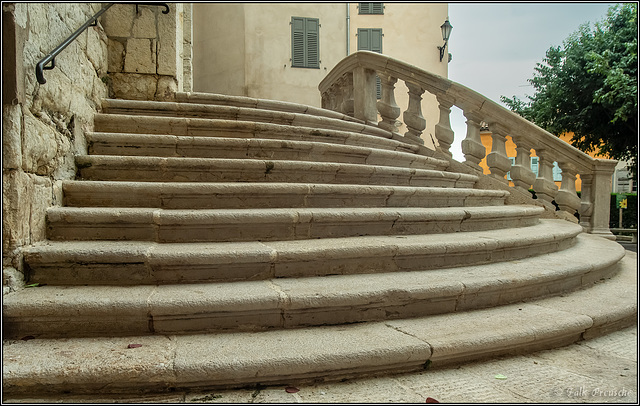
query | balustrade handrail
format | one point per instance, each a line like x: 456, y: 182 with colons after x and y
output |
x: 350, y: 89
x: 464, y: 98
x: 50, y: 58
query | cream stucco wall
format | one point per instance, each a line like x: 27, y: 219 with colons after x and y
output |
x: 219, y: 48
x: 268, y: 64
x: 245, y: 48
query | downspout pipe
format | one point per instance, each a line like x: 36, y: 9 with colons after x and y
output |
x: 348, y: 28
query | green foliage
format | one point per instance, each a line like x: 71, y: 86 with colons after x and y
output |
x: 589, y: 86
x: 629, y: 215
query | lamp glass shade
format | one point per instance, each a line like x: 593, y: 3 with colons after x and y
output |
x: 446, y: 30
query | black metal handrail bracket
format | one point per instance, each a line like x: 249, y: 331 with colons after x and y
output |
x: 51, y: 57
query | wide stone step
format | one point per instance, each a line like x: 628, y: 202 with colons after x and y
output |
x: 202, y: 127
x: 189, y: 195
x: 161, y: 225
x: 252, y: 148
x: 140, y: 262
x: 160, y: 169
x: 227, y: 112
x: 263, y: 104
x: 295, y: 302
x: 291, y: 356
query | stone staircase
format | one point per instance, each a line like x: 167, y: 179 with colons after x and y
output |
x: 242, y: 242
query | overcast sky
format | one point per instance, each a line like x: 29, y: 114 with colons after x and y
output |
x: 495, y: 46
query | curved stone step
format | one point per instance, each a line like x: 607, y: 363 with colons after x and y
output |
x: 290, y: 356
x: 189, y: 195
x: 161, y: 225
x: 295, y: 302
x: 227, y: 112
x: 264, y: 104
x: 252, y: 148
x: 140, y: 262
x: 202, y: 127
x: 160, y: 169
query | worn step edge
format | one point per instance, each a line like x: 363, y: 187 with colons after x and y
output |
x: 252, y: 148
x: 203, y: 127
x: 166, y: 226
x: 227, y: 195
x: 174, y: 169
x: 265, y: 104
x: 139, y: 262
x: 226, y: 112
x: 295, y: 302
x: 167, y: 362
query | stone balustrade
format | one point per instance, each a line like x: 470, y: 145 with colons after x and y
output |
x: 350, y: 89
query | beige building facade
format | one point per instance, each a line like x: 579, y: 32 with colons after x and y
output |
x: 247, y: 49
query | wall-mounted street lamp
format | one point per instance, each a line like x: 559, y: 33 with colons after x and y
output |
x: 446, y: 33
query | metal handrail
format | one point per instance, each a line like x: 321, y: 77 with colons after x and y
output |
x: 51, y: 57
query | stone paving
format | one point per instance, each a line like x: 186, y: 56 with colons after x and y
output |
x: 601, y: 370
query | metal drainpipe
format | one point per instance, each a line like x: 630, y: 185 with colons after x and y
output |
x: 348, y: 28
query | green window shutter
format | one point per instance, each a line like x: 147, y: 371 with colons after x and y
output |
x: 313, y: 42
x: 376, y: 40
x: 371, y: 8
x: 305, y: 42
x: 370, y: 39
x: 297, y: 41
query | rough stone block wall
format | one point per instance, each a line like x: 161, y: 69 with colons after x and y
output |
x: 145, y: 50
x: 187, y: 48
x: 44, y: 124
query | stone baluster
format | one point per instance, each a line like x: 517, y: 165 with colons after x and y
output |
x: 544, y: 186
x: 444, y: 133
x: 472, y: 146
x: 387, y: 107
x: 412, y: 117
x: 586, y: 206
x: 347, y: 100
x: 567, y: 198
x: 364, y: 97
x: 497, y: 160
x: 521, y: 174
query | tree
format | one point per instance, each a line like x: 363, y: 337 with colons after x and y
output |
x: 589, y: 86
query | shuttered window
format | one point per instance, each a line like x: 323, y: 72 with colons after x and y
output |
x: 513, y: 162
x: 370, y: 39
x: 534, y: 165
x: 557, y: 173
x: 371, y: 8
x: 305, y: 42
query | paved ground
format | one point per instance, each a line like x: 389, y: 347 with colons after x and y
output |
x: 631, y: 246
x: 602, y: 370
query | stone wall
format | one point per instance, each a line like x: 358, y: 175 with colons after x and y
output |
x: 43, y: 124
x: 145, y: 49
x: 126, y: 55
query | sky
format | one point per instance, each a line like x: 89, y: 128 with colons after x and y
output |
x: 495, y: 46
